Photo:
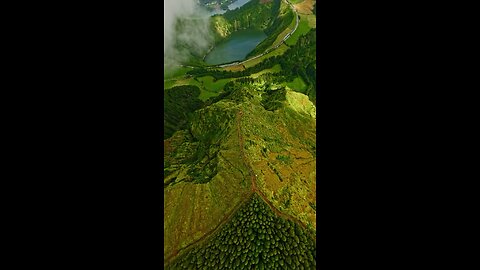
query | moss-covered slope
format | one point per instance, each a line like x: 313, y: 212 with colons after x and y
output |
x: 210, y: 165
x: 205, y: 178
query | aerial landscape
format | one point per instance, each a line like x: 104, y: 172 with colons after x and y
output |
x: 240, y: 134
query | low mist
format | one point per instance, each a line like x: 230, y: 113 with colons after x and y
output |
x: 186, y: 32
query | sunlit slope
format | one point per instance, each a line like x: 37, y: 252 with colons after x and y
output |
x: 281, y: 144
x: 205, y: 178
x: 255, y: 14
x: 305, y: 6
x: 255, y: 238
x: 253, y: 128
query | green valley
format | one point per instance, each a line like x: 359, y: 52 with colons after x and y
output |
x: 240, y: 146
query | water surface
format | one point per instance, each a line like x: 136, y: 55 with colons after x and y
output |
x: 236, y: 47
x: 232, y: 6
x: 237, y: 4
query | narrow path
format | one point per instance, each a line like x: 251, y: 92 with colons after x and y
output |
x: 225, y: 219
x: 254, y: 189
x: 254, y: 179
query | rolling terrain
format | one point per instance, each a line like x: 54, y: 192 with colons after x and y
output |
x: 243, y: 137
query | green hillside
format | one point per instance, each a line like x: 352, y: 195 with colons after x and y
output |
x: 240, y: 150
x: 252, y: 15
x: 209, y: 165
x: 255, y: 238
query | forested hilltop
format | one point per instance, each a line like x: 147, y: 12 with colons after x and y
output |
x: 240, y: 148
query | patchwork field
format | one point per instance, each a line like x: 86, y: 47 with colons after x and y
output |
x: 305, y: 7
x: 281, y: 147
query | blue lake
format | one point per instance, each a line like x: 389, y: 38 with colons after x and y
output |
x: 236, y: 47
x: 232, y: 6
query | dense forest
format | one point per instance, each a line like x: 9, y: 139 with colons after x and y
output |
x: 253, y: 15
x: 179, y: 103
x: 239, y: 145
x: 255, y: 238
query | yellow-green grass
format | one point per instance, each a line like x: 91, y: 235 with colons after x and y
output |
x: 303, y: 28
x: 180, y: 71
x: 168, y: 84
x: 179, y: 82
x: 284, y: 33
x: 297, y: 84
x: 305, y: 7
x: 208, y: 86
x: 274, y: 69
x: 312, y: 20
x: 211, y: 88
x: 194, y: 210
x: 209, y: 83
x: 296, y: 1
x: 204, y: 94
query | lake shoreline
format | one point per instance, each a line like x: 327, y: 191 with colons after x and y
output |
x: 235, y: 48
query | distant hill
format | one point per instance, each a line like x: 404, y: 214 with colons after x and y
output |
x: 252, y: 15
x: 240, y: 152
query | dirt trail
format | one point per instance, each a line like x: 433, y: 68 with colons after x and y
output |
x: 254, y: 189
x: 254, y: 179
x: 225, y: 219
x: 229, y: 215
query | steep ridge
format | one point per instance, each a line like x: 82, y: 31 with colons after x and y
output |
x: 205, y: 179
x: 253, y: 139
x: 212, y: 166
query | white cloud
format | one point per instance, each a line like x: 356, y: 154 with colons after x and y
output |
x: 194, y: 31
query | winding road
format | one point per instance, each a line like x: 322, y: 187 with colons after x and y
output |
x: 254, y: 188
x: 297, y: 17
x: 271, y: 49
x: 229, y: 215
